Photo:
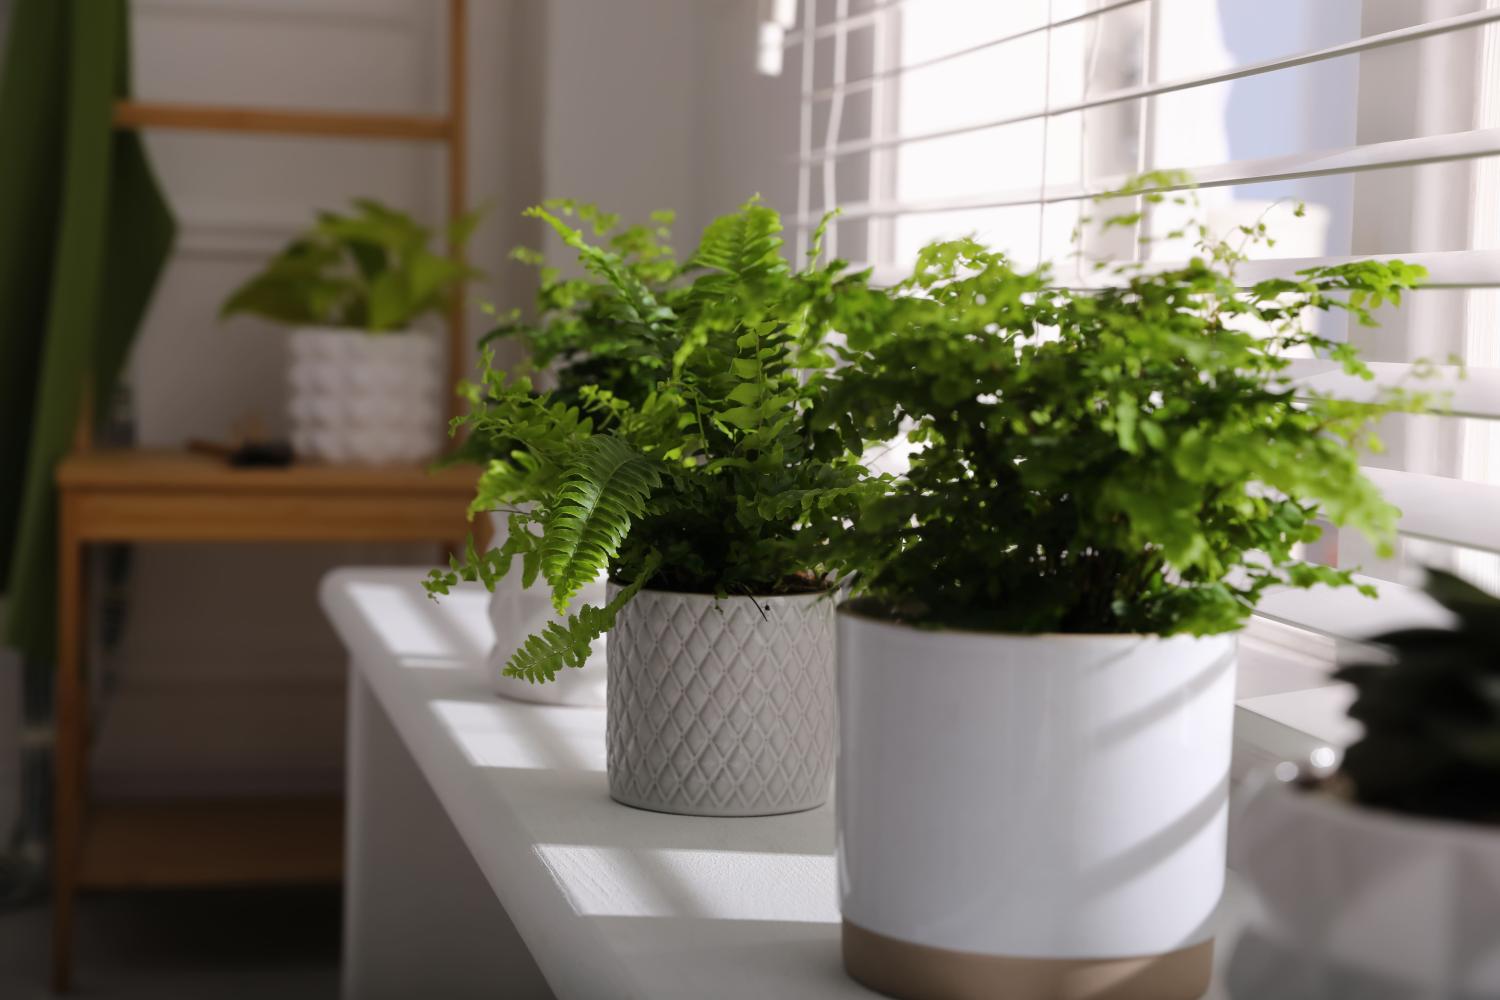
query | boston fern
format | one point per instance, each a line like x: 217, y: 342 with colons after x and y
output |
x: 715, y: 481
x: 1132, y: 458
x: 1431, y: 716
x: 578, y: 334
x: 580, y: 331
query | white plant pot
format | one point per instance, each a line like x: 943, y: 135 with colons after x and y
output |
x: 365, y: 398
x: 517, y: 612
x: 1031, y: 816
x: 1356, y: 902
x: 721, y: 707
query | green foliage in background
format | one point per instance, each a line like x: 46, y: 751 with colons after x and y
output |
x: 1432, y: 715
x: 577, y: 334
x: 580, y: 329
x: 1132, y: 458
x: 714, y: 481
x: 371, y: 269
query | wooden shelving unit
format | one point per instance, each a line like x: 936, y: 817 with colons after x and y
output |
x: 194, y: 843
x: 229, y: 118
x: 137, y: 496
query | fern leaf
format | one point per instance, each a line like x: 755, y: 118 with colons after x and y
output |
x: 566, y: 643
x: 745, y: 246
x: 602, y: 492
x: 640, y: 303
x: 488, y: 567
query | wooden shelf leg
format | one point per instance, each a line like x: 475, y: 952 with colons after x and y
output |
x: 70, y: 745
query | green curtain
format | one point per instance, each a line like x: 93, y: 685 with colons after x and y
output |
x: 84, y: 235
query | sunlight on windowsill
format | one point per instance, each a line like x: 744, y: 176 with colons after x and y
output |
x: 422, y: 633
x: 714, y: 885
x: 503, y: 734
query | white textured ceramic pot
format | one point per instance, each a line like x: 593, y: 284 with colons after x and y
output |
x: 1355, y: 902
x: 367, y: 398
x: 1031, y: 816
x: 721, y: 707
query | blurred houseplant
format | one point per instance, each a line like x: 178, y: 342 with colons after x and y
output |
x: 576, y: 337
x: 1384, y: 879
x: 364, y: 384
x: 713, y: 504
x: 1103, y: 483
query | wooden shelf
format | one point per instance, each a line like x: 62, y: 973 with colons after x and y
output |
x: 148, y: 496
x: 281, y: 121
x: 162, y: 470
x: 231, y: 842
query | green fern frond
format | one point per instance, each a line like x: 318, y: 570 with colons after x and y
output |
x: 640, y: 303
x: 490, y: 566
x: 815, y: 247
x: 602, y: 492
x: 566, y: 643
x: 745, y: 246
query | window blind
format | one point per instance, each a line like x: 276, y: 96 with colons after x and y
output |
x: 931, y: 117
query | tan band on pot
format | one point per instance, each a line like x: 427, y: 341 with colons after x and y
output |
x: 918, y: 972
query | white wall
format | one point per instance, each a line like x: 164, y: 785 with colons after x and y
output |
x: 227, y: 679
x: 656, y: 104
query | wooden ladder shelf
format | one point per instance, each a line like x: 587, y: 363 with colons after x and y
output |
x: 132, y: 496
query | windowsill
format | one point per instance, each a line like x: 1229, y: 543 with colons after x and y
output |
x: 1287, y: 704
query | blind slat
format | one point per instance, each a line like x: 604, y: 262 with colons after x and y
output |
x: 1366, y: 44
x: 870, y: 15
x: 1439, y: 509
x: 866, y: 82
x: 1345, y: 613
x: 1445, y: 269
x: 1474, y: 392
x: 1354, y: 159
x: 1448, y: 269
x: 863, y: 19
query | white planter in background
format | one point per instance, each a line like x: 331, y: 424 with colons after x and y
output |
x: 1356, y: 902
x: 365, y: 398
x: 721, y: 707
x: 517, y: 612
x: 1031, y: 816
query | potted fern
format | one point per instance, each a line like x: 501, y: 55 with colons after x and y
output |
x: 713, y: 503
x: 1384, y: 877
x: 363, y: 384
x: 1036, y: 671
x: 575, y: 337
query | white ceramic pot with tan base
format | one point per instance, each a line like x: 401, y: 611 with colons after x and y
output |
x: 1031, y: 817
x: 1356, y: 902
x: 721, y: 707
x: 364, y: 398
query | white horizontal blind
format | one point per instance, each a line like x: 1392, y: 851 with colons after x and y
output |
x: 924, y: 118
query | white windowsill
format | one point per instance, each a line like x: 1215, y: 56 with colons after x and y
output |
x: 1288, y: 707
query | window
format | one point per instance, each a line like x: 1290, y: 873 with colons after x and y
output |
x: 928, y: 118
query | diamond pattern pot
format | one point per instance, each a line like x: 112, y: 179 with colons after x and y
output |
x: 721, y: 707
